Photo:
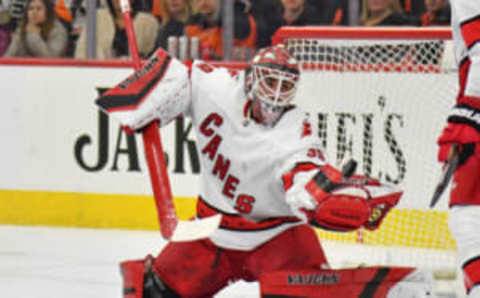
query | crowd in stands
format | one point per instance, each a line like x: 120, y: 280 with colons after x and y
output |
x: 57, y: 28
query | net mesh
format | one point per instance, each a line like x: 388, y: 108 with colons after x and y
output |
x: 362, y: 55
x: 383, y: 101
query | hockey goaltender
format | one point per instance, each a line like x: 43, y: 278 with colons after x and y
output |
x: 265, y: 172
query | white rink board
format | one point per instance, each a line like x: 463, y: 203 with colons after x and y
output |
x: 48, y: 109
x: 416, y: 105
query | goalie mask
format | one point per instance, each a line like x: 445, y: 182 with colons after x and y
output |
x: 271, y: 83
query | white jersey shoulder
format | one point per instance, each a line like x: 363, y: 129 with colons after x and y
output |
x: 211, y: 83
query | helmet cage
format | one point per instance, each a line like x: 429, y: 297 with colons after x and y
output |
x: 271, y: 83
x: 274, y: 86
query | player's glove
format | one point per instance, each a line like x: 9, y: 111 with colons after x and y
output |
x: 354, y: 205
x: 159, y: 91
x: 464, y: 136
x: 333, y: 202
x: 299, y: 197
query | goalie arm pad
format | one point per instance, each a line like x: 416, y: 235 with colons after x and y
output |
x: 160, y: 90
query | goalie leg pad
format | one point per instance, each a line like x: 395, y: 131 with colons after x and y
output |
x: 376, y: 282
x: 194, y: 268
x: 140, y: 281
x: 133, y: 276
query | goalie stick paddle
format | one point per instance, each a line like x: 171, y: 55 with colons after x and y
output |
x: 446, y: 176
x: 171, y: 227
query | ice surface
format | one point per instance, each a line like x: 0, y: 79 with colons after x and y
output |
x: 46, y: 262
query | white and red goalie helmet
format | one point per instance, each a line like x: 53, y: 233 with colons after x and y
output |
x: 271, y: 83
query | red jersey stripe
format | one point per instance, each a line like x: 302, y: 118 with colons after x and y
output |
x: 237, y: 223
x: 300, y: 167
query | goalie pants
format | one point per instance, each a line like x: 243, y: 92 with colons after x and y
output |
x: 201, y: 269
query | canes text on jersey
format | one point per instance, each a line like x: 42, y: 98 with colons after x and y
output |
x: 221, y: 164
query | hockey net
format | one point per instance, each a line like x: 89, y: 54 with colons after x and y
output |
x: 381, y: 96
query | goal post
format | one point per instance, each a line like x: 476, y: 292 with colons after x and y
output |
x: 382, y: 96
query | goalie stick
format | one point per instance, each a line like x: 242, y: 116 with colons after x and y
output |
x: 446, y: 176
x: 171, y: 227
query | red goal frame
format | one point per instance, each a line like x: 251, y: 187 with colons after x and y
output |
x: 364, y: 33
x: 326, y: 32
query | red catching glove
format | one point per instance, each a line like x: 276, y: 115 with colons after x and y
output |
x: 356, y: 201
x: 382, y: 198
x: 381, y: 205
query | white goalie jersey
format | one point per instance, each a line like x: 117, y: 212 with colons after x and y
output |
x: 246, y: 167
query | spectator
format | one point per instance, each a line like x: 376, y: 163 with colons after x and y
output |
x: 267, y: 22
x: 332, y: 12
x: 175, y: 16
x: 300, y: 13
x: 153, y: 6
x: 7, y: 26
x: 157, y: 9
x: 112, y: 39
x: 437, y: 13
x: 383, y: 13
x: 206, y: 24
x: 69, y: 14
x: 63, y: 13
x: 413, y: 8
x: 40, y: 34
x: 271, y: 15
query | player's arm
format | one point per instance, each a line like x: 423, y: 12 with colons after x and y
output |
x: 160, y: 90
x: 463, y: 126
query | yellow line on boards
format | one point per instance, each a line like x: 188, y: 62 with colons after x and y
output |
x: 402, y: 227
x: 19, y: 207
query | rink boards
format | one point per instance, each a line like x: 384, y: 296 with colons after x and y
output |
x: 66, y: 164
